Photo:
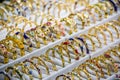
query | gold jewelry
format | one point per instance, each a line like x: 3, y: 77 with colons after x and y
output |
x: 41, y: 62
x: 64, y: 76
x: 88, y: 37
x: 100, y: 44
x: 114, y: 27
x: 46, y: 58
x: 34, y: 66
x: 96, y: 30
x: 106, y: 29
x: 6, y: 76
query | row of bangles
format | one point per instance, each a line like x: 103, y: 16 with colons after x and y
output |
x: 98, y: 68
x: 14, y: 47
x: 37, y: 68
x: 67, y: 52
x: 21, y: 7
x: 57, y: 7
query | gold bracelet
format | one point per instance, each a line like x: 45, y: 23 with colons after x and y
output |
x: 59, y: 52
x: 41, y: 62
x: 64, y: 48
x: 95, y: 33
x: 114, y: 27
x: 106, y: 29
x: 88, y: 37
x: 108, y: 4
x: 46, y: 58
x: 100, y: 44
x: 33, y: 66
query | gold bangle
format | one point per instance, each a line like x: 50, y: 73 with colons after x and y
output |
x: 106, y: 65
x: 46, y: 58
x: 81, y: 18
x: 71, y: 23
x: 80, y: 68
x: 95, y: 33
x: 115, y: 28
x: 97, y: 10
x: 41, y: 62
x: 93, y: 68
x: 15, y: 70
x: 64, y: 76
x: 59, y: 52
x: 33, y: 66
x: 19, y: 44
x: 79, y: 44
x: 88, y: 37
x: 98, y: 66
x: 74, y: 50
x: 100, y: 44
x: 108, y: 4
x: 67, y: 52
x: 74, y: 74
x: 106, y: 29
x: 6, y: 76
x: 104, y: 8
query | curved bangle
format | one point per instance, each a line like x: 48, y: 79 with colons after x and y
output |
x: 98, y: 66
x: 75, y: 51
x: 94, y: 69
x: 15, y: 70
x: 98, y: 10
x: 34, y: 66
x: 26, y: 70
x: 108, y: 4
x: 19, y: 44
x: 78, y: 44
x: 112, y: 62
x: 47, y: 52
x: 88, y: 37
x: 115, y: 22
x: 85, y: 71
x: 104, y: 9
x: 3, y: 11
x: 59, y: 52
x: 115, y: 28
x: 106, y: 65
x: 100, y: 44
x: 4, y: 25
x: 5, y: 74
x: 62, y: 75
x: 41, y: 62
x: 74, y: 74
x: 46, y: 58
x: 81, y: 18
x: 4, y: 53
x: 71, y: 23
x: 115, y: 53
x: 86, y: 45
x: 106, y: 29
x: 67, y: 52
x: 95, y: 33
x: 114, y: 5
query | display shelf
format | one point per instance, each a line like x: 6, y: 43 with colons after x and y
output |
x: 77, y: 63
x: 52, y: 44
